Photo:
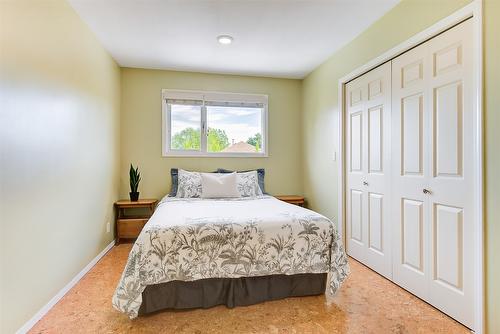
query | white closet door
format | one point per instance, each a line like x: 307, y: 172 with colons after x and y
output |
x: 433, y: 172
x: 452, y: 174
x: 368, y: 126
x: 410, y: 120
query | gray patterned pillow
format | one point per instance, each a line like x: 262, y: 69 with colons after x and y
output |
x: 248, y: 184
x: 189, y: 184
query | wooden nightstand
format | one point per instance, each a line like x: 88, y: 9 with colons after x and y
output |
x: 129, y: 226
x: 292, y: 199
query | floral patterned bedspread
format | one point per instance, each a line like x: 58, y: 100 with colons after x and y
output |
x: 191, y: 239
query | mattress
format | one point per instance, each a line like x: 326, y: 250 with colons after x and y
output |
x: 195, y: 239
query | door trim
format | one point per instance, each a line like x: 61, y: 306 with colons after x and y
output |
x: 472, y: 11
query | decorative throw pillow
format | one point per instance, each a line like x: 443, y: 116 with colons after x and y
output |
x: 174, y: 174
x: 216, y: 185
x: 189, y: 184
x: 261, y: 172
x: 248, y: 184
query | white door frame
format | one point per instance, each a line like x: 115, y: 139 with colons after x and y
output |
x: 474, y: 11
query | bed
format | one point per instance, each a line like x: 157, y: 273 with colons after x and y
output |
x: 197, y: 252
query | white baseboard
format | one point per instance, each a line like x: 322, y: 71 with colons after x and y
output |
x: 28, y: 325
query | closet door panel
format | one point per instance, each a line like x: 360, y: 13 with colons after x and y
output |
x: 356, y: 139
x: 412, y: 135
x: 409, y: 160
x: 448, y: 246
x: 376, y: 229
x: 448, y: 130
x: 356, y: 217
x: 432, y: 179
x: 412, y: 227
x: 356, y: 208
x: 368, y: 171
x: 451, y: 287
x: 378, y: 109
x: 375, y: 140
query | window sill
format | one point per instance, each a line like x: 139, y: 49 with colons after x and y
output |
x: 213, y: 155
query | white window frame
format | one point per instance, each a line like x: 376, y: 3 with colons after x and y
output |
x: 167, y: 151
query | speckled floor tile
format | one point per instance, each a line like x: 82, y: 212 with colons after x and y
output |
x: 366, y: 303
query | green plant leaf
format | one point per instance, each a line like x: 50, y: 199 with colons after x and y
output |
x: 135, y: 178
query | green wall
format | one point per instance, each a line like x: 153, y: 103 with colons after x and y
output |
x: 141, y: 129
x: 59, y: 152
x: 320, y: 116
x: 491, y: 31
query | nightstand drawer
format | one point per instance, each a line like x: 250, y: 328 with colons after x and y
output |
x: 129, y: 224
x: 130, y: 228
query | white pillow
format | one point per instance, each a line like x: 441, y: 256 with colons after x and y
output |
x: 218, y: 185
x: 189, y: 184
x: 248, y: 184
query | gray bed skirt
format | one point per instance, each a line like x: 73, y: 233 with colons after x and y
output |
x: 231, y: 292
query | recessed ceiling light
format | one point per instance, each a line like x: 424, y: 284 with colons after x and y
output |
x: 225, y: 39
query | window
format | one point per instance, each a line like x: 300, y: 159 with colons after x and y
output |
x: 214, y: 124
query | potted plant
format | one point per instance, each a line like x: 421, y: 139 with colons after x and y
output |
x: 135, y: 178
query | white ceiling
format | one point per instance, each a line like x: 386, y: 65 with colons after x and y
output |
x: 276, y: 38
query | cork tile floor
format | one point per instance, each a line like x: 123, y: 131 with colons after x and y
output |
x: 366, y: 303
